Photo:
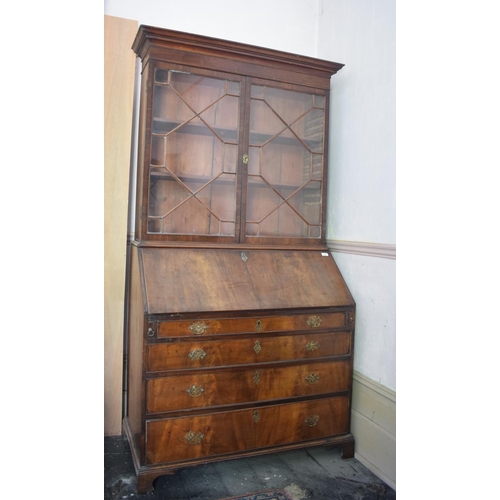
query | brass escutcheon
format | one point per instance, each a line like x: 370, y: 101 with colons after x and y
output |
x: 314, y: 321
x: 257, y: 347
x: 195, y: 391
x: 245, y: 158
x: 197, y: 354
x: 312, y: 346
x: 256, y: 416
x: 194, y: 437
x: 258, y: 326
x: 312, y: 420
x: 198, y: 328
x: 256, y: 377
x: 244, y: 256
x: 312, y: 378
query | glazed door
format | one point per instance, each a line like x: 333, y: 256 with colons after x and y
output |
x: 286, y: 156
x: 233, y: 159
x: 193, y: 161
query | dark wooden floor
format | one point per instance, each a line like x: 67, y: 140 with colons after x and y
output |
x: 312, y: 473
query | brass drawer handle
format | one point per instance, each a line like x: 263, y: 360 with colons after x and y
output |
x: 150, y: 332
x: 351, y: 318
x: 312, y: 420
x: 194, y: 437
x: 195, y: 391
x: 257, y: 347
x: 314, y: 321
x: 198, y: 328
x: 197, y: 354
x: 312, y: 346
x: 312, y: 378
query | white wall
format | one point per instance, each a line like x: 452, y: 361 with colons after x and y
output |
x: 288, y: 25
x: 372, y: 281
x: 362, y: 184
x: 362, y: 35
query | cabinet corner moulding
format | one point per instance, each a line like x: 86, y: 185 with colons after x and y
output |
x: 254, y: 60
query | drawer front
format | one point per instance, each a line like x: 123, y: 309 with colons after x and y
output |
x: 210, y: 353
x: 224, y: 387
x: 186, y: 438
x: 206, y: 327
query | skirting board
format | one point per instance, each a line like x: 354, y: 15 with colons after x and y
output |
x: 373, y: 424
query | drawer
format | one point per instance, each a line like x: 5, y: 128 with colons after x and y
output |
x: 210, y: 353
x: 225, y: 387
x: 187, y: 438
x: 259, y: 324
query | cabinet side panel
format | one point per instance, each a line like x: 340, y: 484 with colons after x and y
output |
x: 136, y: 336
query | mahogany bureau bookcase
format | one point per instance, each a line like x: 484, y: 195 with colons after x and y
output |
x: 240, y: 326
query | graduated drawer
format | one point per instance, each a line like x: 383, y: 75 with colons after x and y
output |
x: 224, y: 387
x: 259, y: 324
x: 210, y: 353
x: 186, y: 438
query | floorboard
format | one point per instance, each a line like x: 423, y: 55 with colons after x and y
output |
x: 311, y: 473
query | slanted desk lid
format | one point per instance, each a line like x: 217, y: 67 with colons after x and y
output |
x: 183, y: 280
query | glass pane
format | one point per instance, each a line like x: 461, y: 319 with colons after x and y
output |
x: 222, y: 118
x: 307, y: 202
x: 233, y: 88
x: 252, y: 229
x: 215, y: 194
x: 194, y: 155
x: 285, y: 163
x: 189, y: 218
x: 283, y: 222
x: 315, y: 231
x: 227, y: 228
x: 317, y: 167
x: 192, y: 149
x: 264, y: 123
x: 161, y: 75
x: 310, y: 129
x: 194, y: 207
x: 230, y: 157
x: 165, y: 193
x: 254, y: 160
x: 319, y: 101
x: 158, y: 144
x: 257, y: 92
x: 288, y: 105
x: 169, y: 110
x: 262, y: 199
x: 198, y: 92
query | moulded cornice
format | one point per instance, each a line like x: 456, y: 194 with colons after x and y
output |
x: 223, y: 48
